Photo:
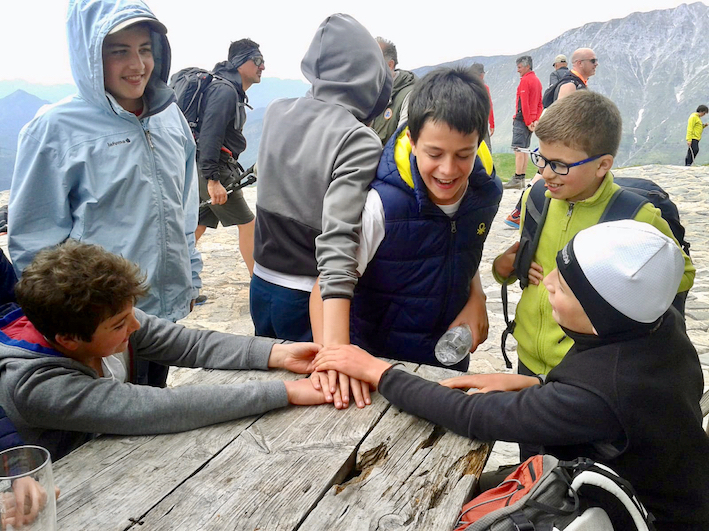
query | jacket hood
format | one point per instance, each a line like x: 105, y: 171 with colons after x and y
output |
x: 229, y: 72
x: 88, y: 23
x: 345, y: 67
x: 403, y: 79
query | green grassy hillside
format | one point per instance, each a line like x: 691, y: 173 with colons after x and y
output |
x: 505, y: 166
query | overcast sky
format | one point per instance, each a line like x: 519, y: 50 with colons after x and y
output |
x: 33, y: 42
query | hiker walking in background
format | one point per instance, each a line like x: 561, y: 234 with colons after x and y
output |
x: 220, y: 142
x: 397, y: 110
x: 560, y: 69
x: 527, y: 111
x: 115, y: 164
x: 695, y: 128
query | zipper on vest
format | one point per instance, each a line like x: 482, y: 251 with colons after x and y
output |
x: 570, y: 210
x: 453, y: 227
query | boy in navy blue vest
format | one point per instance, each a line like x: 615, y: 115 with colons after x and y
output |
x: 424, y: 224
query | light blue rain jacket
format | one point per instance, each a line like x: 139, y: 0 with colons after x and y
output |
x: 88, y: 169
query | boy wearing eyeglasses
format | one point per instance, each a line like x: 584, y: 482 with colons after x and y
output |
x: 578, y: 139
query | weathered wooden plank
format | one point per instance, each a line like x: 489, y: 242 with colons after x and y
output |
x: 272, y: 474
x: 112, y: 481
x: 410, y: 474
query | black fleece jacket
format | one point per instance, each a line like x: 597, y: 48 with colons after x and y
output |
x: 222, y: 119
x: 631, y: 402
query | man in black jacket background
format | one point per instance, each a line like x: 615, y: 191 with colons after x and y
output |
x: 221, y: 140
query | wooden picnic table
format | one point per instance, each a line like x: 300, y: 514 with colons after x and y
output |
x: 305, y: 468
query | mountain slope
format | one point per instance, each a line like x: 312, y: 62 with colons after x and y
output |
x: 15, y: 111
x: 652, y: 65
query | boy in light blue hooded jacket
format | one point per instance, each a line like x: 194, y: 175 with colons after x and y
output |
x: 115, y: 164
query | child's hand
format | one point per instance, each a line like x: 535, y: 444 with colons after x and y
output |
x: 21, y: 507
x: 296, y: 357
x: 505, y: 263
x: 358, y: 389
x: 352, y: 361
x: 302, y: 393
x: 326, y: 381
x: 535, y: 274
x: 482, y: 383
x: 474, y: 314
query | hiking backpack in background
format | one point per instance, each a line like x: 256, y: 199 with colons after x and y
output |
x: 551, y: 94
x: 189, y: 85
x: 546, y: 494
x: 633, y: 194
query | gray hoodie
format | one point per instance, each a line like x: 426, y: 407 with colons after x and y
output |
x: 317, y: 157
x: 59, y: 403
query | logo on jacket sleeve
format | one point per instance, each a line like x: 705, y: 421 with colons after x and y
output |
x: 481, y: 229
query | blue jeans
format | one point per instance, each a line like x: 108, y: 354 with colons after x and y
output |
x: 279, y: 312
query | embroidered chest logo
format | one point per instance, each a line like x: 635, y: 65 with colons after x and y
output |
x: 481, y: 229
x: 387, y: 114
x: 117, y: 142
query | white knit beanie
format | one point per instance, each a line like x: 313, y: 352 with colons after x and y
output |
x: 623, y: 273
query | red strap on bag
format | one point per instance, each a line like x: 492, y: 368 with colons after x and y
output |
x: 514, y: 487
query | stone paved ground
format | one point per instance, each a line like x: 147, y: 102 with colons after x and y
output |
x: 226, y: 280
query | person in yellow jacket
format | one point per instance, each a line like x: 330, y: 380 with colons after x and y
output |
x: 695, y: 127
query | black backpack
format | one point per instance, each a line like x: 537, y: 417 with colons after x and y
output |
x: 552, y: 93
x: 189, y: 85
x: 624, y: 204
x: 546, y: 494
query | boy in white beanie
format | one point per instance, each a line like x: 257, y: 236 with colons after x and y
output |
x: 578, y: 140
x: 626, y: 394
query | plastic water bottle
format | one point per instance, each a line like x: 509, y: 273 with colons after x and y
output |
x: 454, y: 345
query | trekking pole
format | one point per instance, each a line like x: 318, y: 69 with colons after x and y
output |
x: 247, y: 178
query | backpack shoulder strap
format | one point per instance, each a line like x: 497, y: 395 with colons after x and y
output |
x: 535, y: 215
x: 624, y: 204
x: 534, y: 218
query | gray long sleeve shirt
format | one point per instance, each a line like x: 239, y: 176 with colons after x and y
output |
x: 59, y: 403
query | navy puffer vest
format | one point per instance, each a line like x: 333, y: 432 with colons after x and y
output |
x: 419, y: 279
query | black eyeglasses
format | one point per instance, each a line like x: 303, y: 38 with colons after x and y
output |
x: 592, y: 61
x: 560, y: 168
x: 258, y: 60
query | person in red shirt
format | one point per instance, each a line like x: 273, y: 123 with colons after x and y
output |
x: 527, y: 112
x: 479, y: 70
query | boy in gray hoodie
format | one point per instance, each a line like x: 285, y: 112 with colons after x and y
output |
x: 316, y: 160
x: 68, y: 357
